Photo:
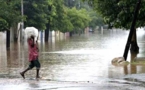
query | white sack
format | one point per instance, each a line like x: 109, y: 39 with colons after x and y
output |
x: 31, y: 31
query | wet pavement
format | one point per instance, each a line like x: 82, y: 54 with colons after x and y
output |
x: 77, y: 63
x: 132, y: 82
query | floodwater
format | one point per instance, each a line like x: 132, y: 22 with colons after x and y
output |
x: 79, y: 59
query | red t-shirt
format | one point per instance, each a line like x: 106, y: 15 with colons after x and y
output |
x: 33, y: 51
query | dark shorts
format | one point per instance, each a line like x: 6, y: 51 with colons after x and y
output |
x: 34, y: 63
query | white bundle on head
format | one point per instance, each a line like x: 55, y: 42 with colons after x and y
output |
x: 29, y: 31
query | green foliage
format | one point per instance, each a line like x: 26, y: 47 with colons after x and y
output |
x: 58, y: 19
x: 120, y: 13
x: 66, y: 19
x: 39, y: 13
x: 9, y: 13
x: 3, y: 24
x: 36, y: 13
x: 80, y: 18
x: 96, y: 20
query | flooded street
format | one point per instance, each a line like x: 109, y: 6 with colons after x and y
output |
x: 81, y: 62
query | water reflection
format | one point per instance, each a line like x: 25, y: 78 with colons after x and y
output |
x: 84, y: 57
x: 3, y: 57
x: 80, y: 58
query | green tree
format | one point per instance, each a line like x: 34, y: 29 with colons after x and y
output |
x: 59, y: 20
x: 65, y: 19
x: 119, y: 14
x: 36, y: 13
x: 9, y: 14
x: 79, y: 18
x: 54, y: 15
x: 96, y: 19
x: 3, y: 24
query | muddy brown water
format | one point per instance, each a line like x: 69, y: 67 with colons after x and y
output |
x: 81, y: 58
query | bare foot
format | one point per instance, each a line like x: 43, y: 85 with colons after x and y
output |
x: 38, y: 77
x: 22, y: 75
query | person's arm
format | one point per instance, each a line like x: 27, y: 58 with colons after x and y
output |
x: 37, y: 45
x: 30, y: 42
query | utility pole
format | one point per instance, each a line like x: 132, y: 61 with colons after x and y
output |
x: 131, y: 30
x: 22, y: 22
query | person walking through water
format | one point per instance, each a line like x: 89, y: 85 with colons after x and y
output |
x: 33, y: 57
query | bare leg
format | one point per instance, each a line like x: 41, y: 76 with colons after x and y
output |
x: 23, y: 73
x: 37, y: 73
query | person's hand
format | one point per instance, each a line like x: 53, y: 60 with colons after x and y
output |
x: 28, y: 38
x: 36, y: 41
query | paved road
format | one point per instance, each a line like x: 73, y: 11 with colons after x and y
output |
x: 130, y: 82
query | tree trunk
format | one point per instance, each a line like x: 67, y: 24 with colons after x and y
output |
x: 8, y: 39
x: 47, y: 32
x: 48, y: 25
x: 132, y: 30
x: 134, y: 45
x: 15, y: 36
x: 71, y: 33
